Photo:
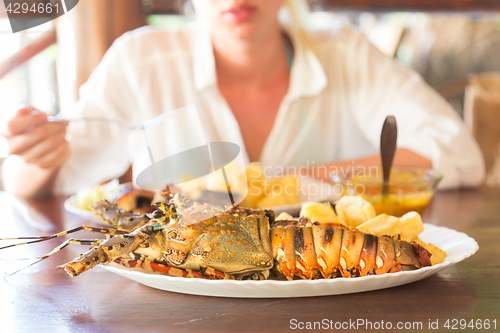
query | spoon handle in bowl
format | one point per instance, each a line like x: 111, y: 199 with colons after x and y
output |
x: 388, y: 140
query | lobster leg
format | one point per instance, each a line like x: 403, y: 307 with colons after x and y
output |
x: 106, y: 231
x: 152, y: 266
x: 113, y: 215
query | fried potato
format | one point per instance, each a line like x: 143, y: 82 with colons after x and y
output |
x: 254, y: 172
x: 411, y: 226
x: 272, y: 192
x: 381, y: 225
x: 256, y: 186
x: 287, y: 187
x: 272, y: 200
x: 354, y: 210
x: 87, y: 196
x: 320, y: 212
x: 236, y: 177
x: 316, y: 209
x: 279, y: 192
x: 255, y: 193
x: 437, y: 256
x: 284, y: 217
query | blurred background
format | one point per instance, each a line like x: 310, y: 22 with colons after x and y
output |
x: 453, y: 44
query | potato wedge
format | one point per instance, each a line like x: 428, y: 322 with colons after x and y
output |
x: 255, y: 194
x: 437, y: 256
x: 316, y: 209
x: 381, y: 225
x: 354, y: 210
x: 254, y: 172
x: 286, y: 187
x: 284, y: 217
x: 411, y: 226
x: 320, y: 212
x: 272, y: 200
x: 256, y: 186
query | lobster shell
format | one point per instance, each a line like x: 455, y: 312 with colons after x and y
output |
x: 305, y: 250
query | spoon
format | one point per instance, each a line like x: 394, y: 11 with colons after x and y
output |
x: 388, y: 140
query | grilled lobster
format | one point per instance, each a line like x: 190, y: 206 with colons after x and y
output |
x: 309, y: 251
x: 204, y: 241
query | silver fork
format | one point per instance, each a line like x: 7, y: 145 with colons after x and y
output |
x: 146, y: 125
x: 55, y: 119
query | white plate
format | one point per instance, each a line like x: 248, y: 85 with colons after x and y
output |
x: 458, y: 245
x: 71, y: 206
x: 310, y: 189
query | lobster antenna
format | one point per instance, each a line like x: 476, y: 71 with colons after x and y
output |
x: 57, y: 249
x: 228, y: 186
x: 223, y: 174
x: 104, y: 231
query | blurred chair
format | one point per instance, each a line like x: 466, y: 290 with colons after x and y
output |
x: 482, y: 116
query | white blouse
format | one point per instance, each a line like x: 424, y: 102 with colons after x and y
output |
x: 336, y: 104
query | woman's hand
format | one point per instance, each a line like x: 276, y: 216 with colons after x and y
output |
x: 36, y: 140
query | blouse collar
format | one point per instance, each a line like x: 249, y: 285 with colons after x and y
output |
x: 307, y: 77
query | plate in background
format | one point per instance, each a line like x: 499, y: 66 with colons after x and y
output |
x: 310, y: 189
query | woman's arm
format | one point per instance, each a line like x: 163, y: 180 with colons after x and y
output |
x: 98, y: 149
x: 38, y: 148
x: 403, y: 156
x: 39, y: 184
x: 427, y: 124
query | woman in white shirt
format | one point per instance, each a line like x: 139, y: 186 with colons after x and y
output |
x: 286, y: 96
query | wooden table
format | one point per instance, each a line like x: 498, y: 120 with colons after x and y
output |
x: 45, y: 299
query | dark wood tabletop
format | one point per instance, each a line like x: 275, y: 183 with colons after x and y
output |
x: 43, y: 298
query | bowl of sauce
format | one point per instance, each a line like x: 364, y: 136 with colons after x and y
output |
x: 410, y: 188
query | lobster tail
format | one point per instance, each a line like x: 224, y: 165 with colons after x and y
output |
x: 326, y: 240
x: 306, y: 263
x: 368, y: 255
x: 308, y: 251
x: 385, y: 259
x: 350, y: 254
x: 423, y: 256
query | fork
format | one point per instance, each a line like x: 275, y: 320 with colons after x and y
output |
x: 153, y: 122
x: 55, y: 119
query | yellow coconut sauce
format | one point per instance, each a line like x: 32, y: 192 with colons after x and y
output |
x: 407, y: 192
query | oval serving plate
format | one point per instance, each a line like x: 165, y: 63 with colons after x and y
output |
x: 71, y: 206
x: 458, y: 245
